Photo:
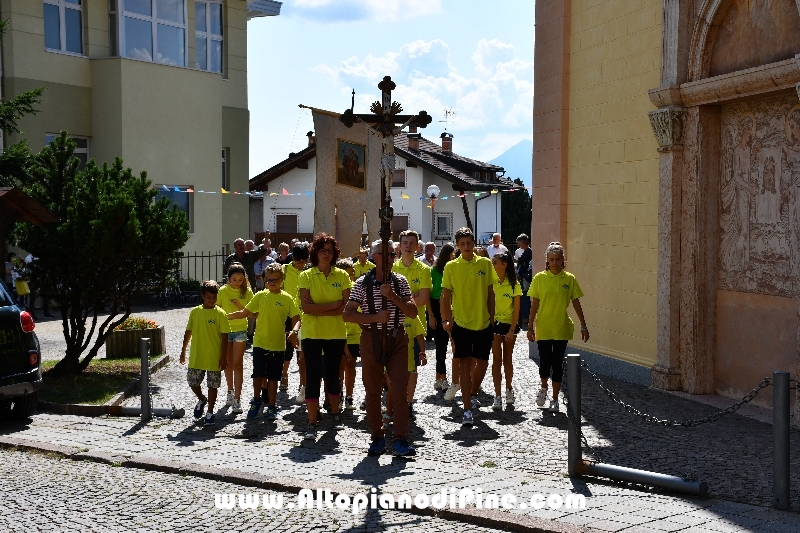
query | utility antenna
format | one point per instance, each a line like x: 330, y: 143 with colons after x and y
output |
x: 448, y: 112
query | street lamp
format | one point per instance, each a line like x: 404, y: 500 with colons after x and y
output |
x: 433, y: 193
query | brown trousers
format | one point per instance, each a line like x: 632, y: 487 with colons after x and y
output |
x: 372, y: 376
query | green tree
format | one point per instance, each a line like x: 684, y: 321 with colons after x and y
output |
x: 516, y: 212
x: 112, y: 242
x: 15, y: 158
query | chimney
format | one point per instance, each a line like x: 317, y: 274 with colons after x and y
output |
x: 447, y: 143
x: 311, y: 139
x: 413, y: 138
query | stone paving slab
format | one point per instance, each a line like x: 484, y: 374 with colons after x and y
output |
x: 521, y: 448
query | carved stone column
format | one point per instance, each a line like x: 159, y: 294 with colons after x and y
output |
x: 668, y: 127
x: 699, y: 236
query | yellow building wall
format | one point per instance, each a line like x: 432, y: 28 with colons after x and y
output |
x: 172, y: 122
x: 612, y: 213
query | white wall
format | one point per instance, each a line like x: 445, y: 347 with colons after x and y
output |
x: 297, y: 180
x: 489, y: 216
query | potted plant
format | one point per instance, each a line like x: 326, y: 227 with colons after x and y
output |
x: 124, y: 340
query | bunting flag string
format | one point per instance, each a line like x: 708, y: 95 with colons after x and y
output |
x: 285, y: 192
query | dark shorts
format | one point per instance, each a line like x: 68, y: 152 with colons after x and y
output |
x: 267, y: 364
x: 551, y: 356
x: 472, y: 343
x: 501, y: 328
x: 355, y: 350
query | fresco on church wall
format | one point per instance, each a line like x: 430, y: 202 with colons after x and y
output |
x: 760, y: 197
x: 755, y: 32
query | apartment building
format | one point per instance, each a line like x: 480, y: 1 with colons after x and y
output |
x: 160, y: 83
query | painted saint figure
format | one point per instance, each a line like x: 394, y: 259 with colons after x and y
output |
x: 792, y: 154
x: 741, y: 181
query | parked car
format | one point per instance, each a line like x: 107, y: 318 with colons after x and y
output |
x: 20, y: 360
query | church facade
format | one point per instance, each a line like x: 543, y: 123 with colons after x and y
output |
x: 686, y: 115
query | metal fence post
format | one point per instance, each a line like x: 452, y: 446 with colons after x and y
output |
x: 574, y: 396
x: 144, y: 353
x: 780, y: 436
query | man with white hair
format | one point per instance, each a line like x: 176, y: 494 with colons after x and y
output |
x: 375, y: 319
x: 496, y: 246
x: 429, y: 254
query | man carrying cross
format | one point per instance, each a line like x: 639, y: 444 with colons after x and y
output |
x: 384, y: 343
x: 385, y: 302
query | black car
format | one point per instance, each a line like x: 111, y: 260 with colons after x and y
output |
x: 20, y: 360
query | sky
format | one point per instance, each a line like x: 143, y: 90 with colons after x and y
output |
x: 472, y: 57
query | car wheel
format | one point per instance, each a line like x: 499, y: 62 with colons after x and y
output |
x: 24, y: 406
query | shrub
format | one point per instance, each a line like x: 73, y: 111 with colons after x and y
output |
x: 136, y: 323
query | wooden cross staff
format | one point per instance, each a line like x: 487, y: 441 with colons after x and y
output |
x: 383, y: 122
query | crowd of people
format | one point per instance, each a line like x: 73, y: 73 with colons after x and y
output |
x: 332, y: 311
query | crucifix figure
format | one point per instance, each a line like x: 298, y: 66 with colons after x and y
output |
x: 386, y: 122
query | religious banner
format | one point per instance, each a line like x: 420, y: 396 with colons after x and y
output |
x: 345, y: 158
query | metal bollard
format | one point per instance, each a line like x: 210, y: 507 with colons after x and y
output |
x: 780, y: 436
x: 574, y: 397
x: 144, y: 353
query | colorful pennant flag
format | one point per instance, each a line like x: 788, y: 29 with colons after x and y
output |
x: 165, y: 188
x: 308, y: 193
x: 284, y: 192
x: 190, y: 190
x: 223, y: 191
x: 404, y: 196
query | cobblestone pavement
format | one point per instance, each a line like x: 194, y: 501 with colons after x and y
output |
x: 65, y: 496
x: 520, y: 448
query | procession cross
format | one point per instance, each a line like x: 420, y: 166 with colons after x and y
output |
x: 383, y: 122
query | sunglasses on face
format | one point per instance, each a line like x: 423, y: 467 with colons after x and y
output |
x: 273, y: 280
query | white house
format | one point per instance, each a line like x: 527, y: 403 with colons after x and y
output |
x: 464, y: 185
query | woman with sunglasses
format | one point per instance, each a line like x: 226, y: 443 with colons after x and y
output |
x: 323, y: 290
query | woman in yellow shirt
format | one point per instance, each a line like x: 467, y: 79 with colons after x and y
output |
x: 507, y: 293
x: 324, y: 290
x: 551, y: 292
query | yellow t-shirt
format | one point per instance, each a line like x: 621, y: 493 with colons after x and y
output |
x: 468, y: 282
x: 363, y: 269
x: 290, y: 277
x: 226, y: 294
x: 273, y: 309
x: 324, y: 291
x: 353, y: 331
x: 418, y: 275
x: 413, y: 328
x: 207, y: 327
x: 554, y: 294
x: 504, y: 300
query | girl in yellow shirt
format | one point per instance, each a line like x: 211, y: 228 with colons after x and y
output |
x: 551, y: 292
x: 232, y: 297
x: 507, y: 293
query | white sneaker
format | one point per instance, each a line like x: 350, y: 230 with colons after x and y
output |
x: 230, y: 399
x: 300, y: 399
x: 451, y: 391
x: 510, y: 397
x: 553, y: 406
x: 237, y: 407
x: 498, y: 403
x: 437, y: 385
x: 541, y: 397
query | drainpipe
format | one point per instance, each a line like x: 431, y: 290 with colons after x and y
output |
x: 477, y: 235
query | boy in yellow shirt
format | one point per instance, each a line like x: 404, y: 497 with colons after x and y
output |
x: 467, y: 307
x: 207, y: 358
x: 273, y: 306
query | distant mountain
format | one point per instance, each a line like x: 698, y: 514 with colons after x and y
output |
x: 517, y: 161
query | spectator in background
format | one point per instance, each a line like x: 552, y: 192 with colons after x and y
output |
x: 496, y: 246
x: 523, y: 256
x: 10, y: 271
x: 249, y: 245
x: 284, y: 257
x: 429, y: 255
